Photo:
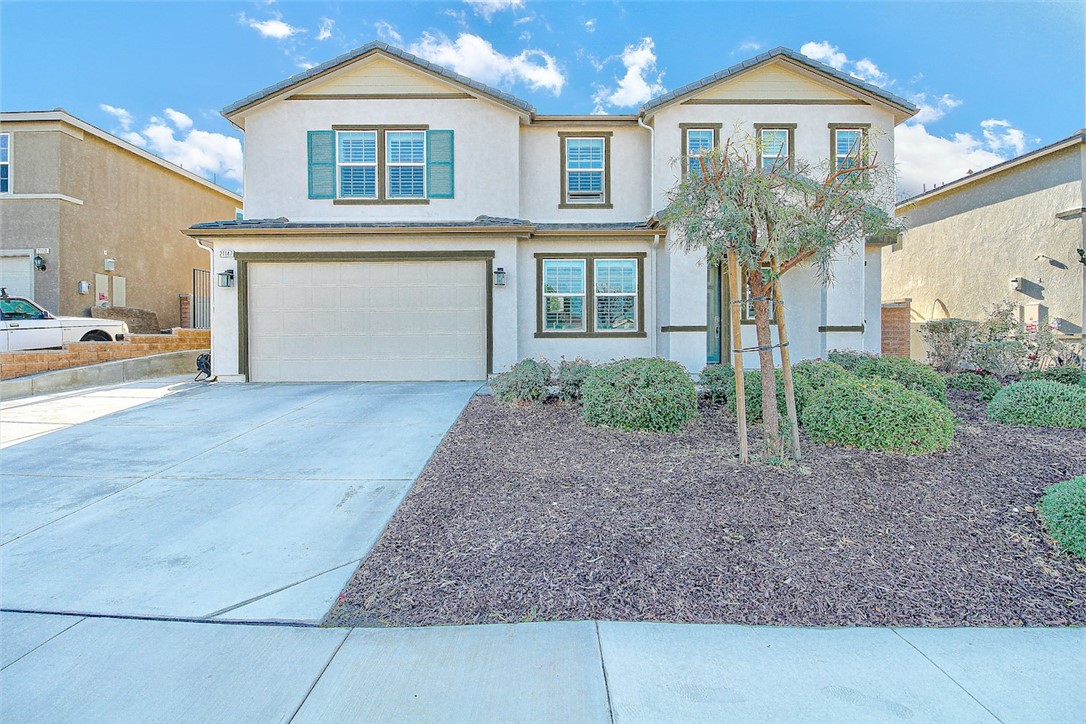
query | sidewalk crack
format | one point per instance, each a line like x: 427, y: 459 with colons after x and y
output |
x: 603, y: 668
x: 319, y: 676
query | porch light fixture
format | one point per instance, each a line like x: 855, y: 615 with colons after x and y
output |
x: 39, y: 263
x: 226, y: 278
x: 499, y: 277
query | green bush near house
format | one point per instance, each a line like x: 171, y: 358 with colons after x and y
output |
x: 1063, y: 510
x: 526, y: 381
x: 807, y: 377
x: 877, y: 414
x: 752, y: 391
x: 850, y: 359
x: 1041, y: 403
x: 914, y: 375
x: 810, y: 376
x: 986, y: 385
x: 1063, y: 375
x: 717, y: 382
x: 639, y: 394
x: 571, y: 376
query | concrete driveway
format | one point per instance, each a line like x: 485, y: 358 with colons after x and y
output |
x: 225, y: 502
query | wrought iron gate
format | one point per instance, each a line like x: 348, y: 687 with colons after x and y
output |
x: 201, y: 299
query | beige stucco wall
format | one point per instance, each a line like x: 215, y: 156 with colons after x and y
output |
x: 108, y: 202
x: 963, y: 247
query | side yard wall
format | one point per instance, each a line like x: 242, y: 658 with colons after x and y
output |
x: 897, y: 328
x: 80, y: 354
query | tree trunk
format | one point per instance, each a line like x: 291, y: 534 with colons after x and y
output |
x: 770, y: 417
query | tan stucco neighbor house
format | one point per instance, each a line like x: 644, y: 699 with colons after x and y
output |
x: 88, y: 219
x: 1012, y: 231
x: 404, y: 222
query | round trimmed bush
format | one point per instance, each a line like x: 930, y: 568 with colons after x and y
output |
x: 717, y: 382
x: 1041, y: 403
x: 526, y: 381
x: 1063, y: 375
x: 850, y: 359
x: 571, y: 377
x: 752, y: 392
x: 914, y: 375
x: 987, y: 385
x: 1063, y: 510
x: 810, y: 376
x: 639, y: 394
x: 877, y: 414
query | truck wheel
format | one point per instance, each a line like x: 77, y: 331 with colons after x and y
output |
x: 95, y: 336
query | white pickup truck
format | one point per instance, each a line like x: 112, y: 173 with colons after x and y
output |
x: 25, y: 325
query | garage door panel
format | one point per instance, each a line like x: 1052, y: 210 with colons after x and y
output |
x: 367, y: 321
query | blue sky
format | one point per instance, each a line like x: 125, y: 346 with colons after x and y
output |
x: 993, y: 79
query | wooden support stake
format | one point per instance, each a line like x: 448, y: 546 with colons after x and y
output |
x: 734, y: 273
x: 786, y: 365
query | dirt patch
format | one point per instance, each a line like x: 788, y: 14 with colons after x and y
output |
x: 529, y: 514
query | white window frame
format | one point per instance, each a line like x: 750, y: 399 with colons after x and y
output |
x: 691, y: 156
x: 583, y: 294
x: 860, y: 152
x: 597, y: 294
x: 412, y: 164
x: 340, y: 165
x: 583, y: 197
x: 7, y: 163
x: 777, y: 161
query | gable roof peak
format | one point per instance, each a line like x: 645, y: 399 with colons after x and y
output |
x: 376, y: 46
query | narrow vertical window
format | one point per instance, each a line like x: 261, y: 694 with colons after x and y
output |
x: 563, y: 295
x: 615, y: 282
x: 5, y: 163
x: 698, y: 141
x: 848, y: 148
x: 405, y: 162
x: 774, y: 149
x: 584, y: 170
x: 356, y: 162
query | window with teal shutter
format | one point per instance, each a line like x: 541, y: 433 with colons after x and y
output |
x: 439, y: 164
x: 322, y: 164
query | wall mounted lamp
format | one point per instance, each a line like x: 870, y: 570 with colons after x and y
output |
x: 226, y: 278
x: 499, y: 277
x: 39, y: 263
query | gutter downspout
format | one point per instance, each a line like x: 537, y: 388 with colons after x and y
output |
x: 211, y: 298
x: 654, y: 333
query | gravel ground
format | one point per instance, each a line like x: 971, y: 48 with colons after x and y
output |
x: 529, y: 514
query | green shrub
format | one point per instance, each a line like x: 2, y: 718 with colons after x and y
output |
x: 949, y: 341
x: 986, y: 385
x: 1042, y: 403
x: 810, y: 376
x: 571, y: 377
x: 717, y: 382
x: 752, y: 392
x: 1063, y: 510
x: 1063, y: 375
x: 877, y: 414
x: 914, y: 375
x: 1001, y: 358
x: 639, y: 394
x: 850, y: 359
x: 526, y: 381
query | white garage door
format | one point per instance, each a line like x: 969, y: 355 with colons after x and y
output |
x: 354, y: 321
x: 17, y: 275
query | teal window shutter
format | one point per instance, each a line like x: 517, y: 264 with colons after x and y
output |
x: 439, y: 164
x: 322, y: 164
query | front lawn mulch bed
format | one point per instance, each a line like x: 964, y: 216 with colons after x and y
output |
x: 526, y: 513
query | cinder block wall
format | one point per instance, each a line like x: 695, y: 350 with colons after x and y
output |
x: 80, y: 354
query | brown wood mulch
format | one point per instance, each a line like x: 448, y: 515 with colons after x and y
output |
x: 528, y: 514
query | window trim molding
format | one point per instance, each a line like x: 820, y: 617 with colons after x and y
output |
x: 865, y: 144
x: 382, y: 167
x: 11, y: 183
x: 563, y: 198
x: 684, y: 128
x: 791, y: 128
x: 590, y: 295
x: 423, y: 165
x: 376, y: 167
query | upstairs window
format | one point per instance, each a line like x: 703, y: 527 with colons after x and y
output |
x: 5, y: 163
x: 357, y: 164
x: 405, y: 161
x: 849, y: 146
x: 775, y: 146
x: 698, y: 141
x: 586, y: 176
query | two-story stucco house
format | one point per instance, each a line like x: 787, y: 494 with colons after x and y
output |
x: 90, y: 220
x: 408, y: 223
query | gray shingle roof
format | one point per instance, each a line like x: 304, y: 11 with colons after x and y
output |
x: 386, y: 48
x: 768, y: 55
x: 480, y: 222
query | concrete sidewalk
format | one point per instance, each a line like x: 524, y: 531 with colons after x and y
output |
x: 69, y: 668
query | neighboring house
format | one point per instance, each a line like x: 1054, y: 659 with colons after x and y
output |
x: 405, y: 222
x: 88, y: 219
x: 1012, y: 231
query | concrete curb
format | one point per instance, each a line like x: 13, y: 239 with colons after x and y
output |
x: 106, y: 373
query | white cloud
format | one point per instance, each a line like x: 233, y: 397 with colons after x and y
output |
x: 272, y: 28
x: 487, y: 8
x: 590, y: 25
x: 924, y: 159
x: 133, y: 138
x: 178, y: 119
x: 476, y: 58
x: 640, y: 83
x: 864, y: 68
x: 386, y: 32
x: 933, y: 109
x: 325, y: 30
x: 525, y: 36
x: 825, y: 52
x: 124, y: 118
x: 1000, y: 135
x: 750, y: 46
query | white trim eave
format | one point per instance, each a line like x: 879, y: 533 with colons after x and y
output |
x: 57, y: 197
x: 65, y: 117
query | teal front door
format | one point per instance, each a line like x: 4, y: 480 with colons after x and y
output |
x: 718, y: 338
